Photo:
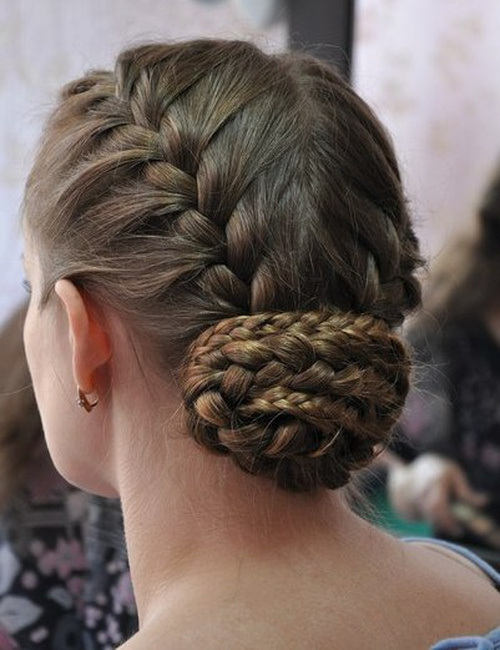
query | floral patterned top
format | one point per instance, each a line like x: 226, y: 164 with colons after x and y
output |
x: 64, y: 578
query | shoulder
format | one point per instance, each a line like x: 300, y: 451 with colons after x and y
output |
x: 463, y: 581
x: 461, y: 556
x: 226, y: 630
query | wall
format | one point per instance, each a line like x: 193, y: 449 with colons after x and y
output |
x: 430, y: 69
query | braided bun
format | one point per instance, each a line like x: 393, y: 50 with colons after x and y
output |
x: 300, y: 397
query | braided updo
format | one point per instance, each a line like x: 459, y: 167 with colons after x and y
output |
x: 244, y: 213
x: 302, y: 397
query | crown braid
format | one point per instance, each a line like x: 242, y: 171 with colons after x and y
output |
x: 206, y: 182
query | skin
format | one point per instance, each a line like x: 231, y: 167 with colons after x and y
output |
x: 219, y: 558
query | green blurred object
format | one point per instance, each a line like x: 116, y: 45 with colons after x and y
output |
x: 386, y: 517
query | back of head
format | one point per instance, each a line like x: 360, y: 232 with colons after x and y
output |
x: 244, y: 213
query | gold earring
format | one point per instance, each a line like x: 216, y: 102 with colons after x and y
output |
x: 81, y: 400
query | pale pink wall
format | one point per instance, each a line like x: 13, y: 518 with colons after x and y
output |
x: 44, y: 43
x: 430, y: 68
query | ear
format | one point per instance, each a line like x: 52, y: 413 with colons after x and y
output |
x: 89, y: 340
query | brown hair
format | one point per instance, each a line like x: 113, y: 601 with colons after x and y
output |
x: 245, y: 213
x: 20, y: 425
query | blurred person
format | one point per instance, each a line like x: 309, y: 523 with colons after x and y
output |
x: 64, y: 580
x: 219, y: 254
x: 450, y: 430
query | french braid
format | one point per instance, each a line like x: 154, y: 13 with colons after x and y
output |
x: 218, y: 196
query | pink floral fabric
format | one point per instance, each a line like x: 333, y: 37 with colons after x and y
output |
x: 64, y: 577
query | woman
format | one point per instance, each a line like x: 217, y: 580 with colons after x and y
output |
x: 62, y: 557
x: 219, y: 249
x: 452, y: 419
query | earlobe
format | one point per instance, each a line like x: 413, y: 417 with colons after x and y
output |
x: 90, y: 345
x: 83, y: 401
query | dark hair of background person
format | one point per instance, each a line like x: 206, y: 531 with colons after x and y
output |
x: 20, y: 425
x: 464, y: 284
x: 244, y: 213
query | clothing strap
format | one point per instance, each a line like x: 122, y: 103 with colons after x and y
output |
x: 493, y: 575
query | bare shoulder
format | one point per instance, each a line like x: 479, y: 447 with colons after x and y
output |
x: 392, y: 596
x: 190, y: 639
x: 453, y: 556
x: 459, y: 581
x: 229, y: 629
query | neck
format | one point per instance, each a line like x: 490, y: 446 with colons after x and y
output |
x: 193, y: 518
